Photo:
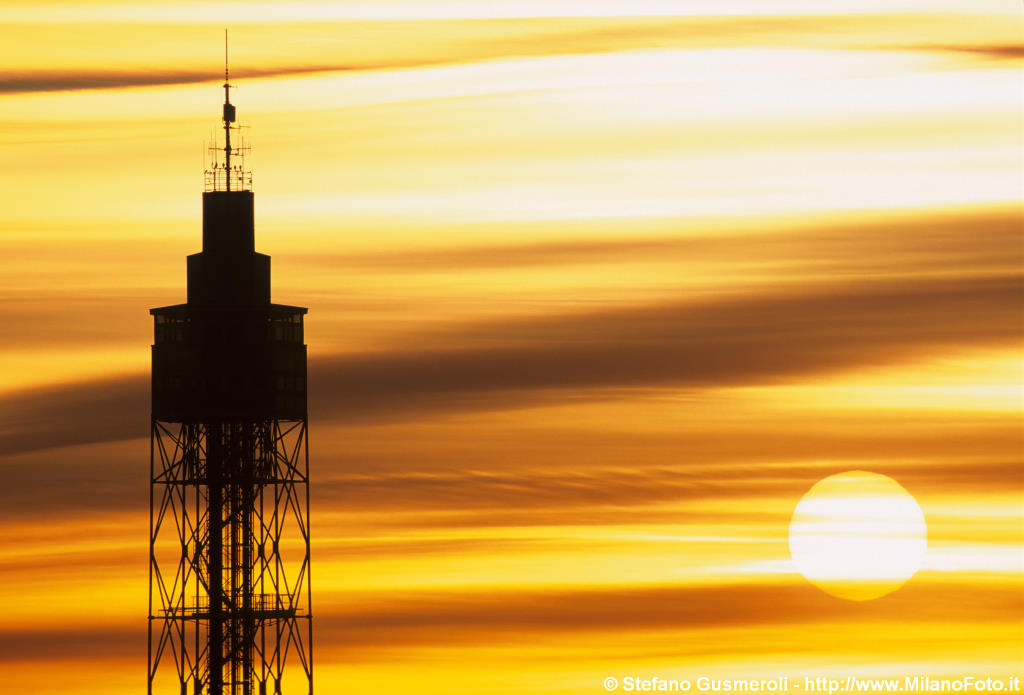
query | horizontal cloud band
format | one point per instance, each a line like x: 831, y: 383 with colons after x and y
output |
x: 730, y: 341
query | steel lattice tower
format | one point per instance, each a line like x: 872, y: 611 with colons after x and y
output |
x: 229, y: 580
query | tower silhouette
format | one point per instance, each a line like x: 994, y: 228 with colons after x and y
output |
x: 229, y: 568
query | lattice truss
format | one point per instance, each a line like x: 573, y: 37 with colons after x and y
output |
x: 229, y: 598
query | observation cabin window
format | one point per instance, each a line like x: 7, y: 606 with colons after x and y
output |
x: 286, y: 329
x: 170, y: 329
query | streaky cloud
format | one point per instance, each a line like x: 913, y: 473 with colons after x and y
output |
x: 472, y: 615
x: 62, y: 81
x: 509, y: 616
x: 1004, y: 51
x: 547, y: 478
x: 101, y: 410
x: 725, y: 342
x: 936, y: 243
x: 572, y: 488
x: 505, y: 364
x: 463, y: 41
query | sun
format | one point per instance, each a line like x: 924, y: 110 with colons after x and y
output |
x: 858, y: 535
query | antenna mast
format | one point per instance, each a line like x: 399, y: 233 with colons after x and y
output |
x: 229, y: 115
x: 223, y: 174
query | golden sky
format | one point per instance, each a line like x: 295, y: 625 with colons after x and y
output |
x: 598, y: 290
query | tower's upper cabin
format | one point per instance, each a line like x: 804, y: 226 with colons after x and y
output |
x: 228, y: 352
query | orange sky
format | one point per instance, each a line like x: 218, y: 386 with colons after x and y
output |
x: 597, y: 291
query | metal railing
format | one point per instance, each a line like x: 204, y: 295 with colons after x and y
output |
x: 218, y: 179
x: 260, y: 605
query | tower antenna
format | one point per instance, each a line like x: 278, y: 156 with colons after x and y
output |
x: 229, y: 116
x: 227, y: 170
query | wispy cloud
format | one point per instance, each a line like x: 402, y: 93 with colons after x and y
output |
x: 897, y: 248
x: 510, y: 363
x: 53, y: 81
x: 716, y: 343
x: 506, y: 617
x: 1000, y: 51
x: 390, y: 44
